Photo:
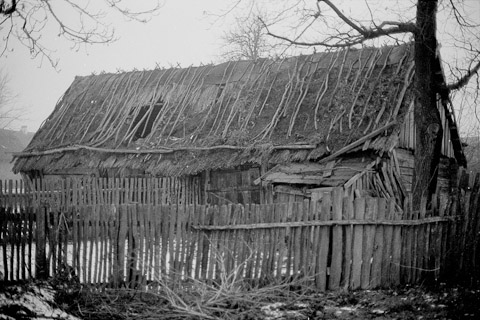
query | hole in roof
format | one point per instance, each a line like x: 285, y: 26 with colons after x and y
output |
x: 143, y: 122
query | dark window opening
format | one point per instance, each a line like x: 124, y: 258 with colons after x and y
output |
x: 220, y: 89
x: 144, y: 120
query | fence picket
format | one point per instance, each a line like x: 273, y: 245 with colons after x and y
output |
x: 306, y: 239
x: 165, y: 219
x: 149, y: 238
x: 101, y: 238
x: 414, y: 248
x: 157, y: 233
x: 378, y: 249
x: 348, y: 214
x: 386, y: 260
x: 180, y: 239
x: 94, y: 242
x: 189, y: 241
x: 337, y: 242
x: 18, y: 235
x: 230, y: 240
x: 368, y: 239
x: 296, y: 234
x: 221, y: 252
x: 288, y: 241
x: 204, y: 243
x: 240, y: 241
x: 141, y: 248
x: 357, y: 262
x: 25, y: 231
x: 396, y: 245
x: 53, y: 230
x: 119, y: 259
x: 257, y: 218
x: 322, y: 258
x: 75, y: 222
x: 5, y: 239
x: 213, y: 243
x: 88, y: 245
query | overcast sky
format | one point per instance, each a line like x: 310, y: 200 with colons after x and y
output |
x: 184, y: 33
x: 181, y: 33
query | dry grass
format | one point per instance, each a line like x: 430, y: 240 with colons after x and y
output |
x: 191, y: 299
x: 174, y: 297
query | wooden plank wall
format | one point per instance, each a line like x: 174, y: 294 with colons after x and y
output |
x: 233, y: 186
x: 335, y: 241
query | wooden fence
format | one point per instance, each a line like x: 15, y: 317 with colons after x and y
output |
x: 336, y: 242
x: 464, y: 258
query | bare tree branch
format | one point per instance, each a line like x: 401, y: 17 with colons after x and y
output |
x: 460, y: 18
x: 356, y: 35
x: 465, y: 79
x: 138, y: 15
x: 8, y: 112
x: 80, y: 22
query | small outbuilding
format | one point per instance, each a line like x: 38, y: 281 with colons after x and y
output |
x: 248, y: 131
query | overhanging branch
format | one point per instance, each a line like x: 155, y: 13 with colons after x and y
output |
x: 464, y: 80
x: 356, y: 35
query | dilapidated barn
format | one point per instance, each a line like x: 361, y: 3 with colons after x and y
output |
x: 248, y: 131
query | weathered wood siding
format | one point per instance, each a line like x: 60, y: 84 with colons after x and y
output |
x: 233, y: 186
x: 446, y: 173
x: 407, y: 138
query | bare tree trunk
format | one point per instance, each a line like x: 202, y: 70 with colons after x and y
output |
x: 427, y: 119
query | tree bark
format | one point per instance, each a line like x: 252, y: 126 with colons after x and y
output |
x: 427, y: 118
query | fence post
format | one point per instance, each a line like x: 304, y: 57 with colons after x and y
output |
x: 41, y: 265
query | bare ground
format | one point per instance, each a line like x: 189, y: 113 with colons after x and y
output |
x: 270, y: 302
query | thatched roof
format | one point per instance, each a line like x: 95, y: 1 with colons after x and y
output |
x: 182, y: 121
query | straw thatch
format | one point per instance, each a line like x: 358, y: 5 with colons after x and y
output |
x: 182, y: 121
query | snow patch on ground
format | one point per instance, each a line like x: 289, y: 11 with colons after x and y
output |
x: 32, y: 302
